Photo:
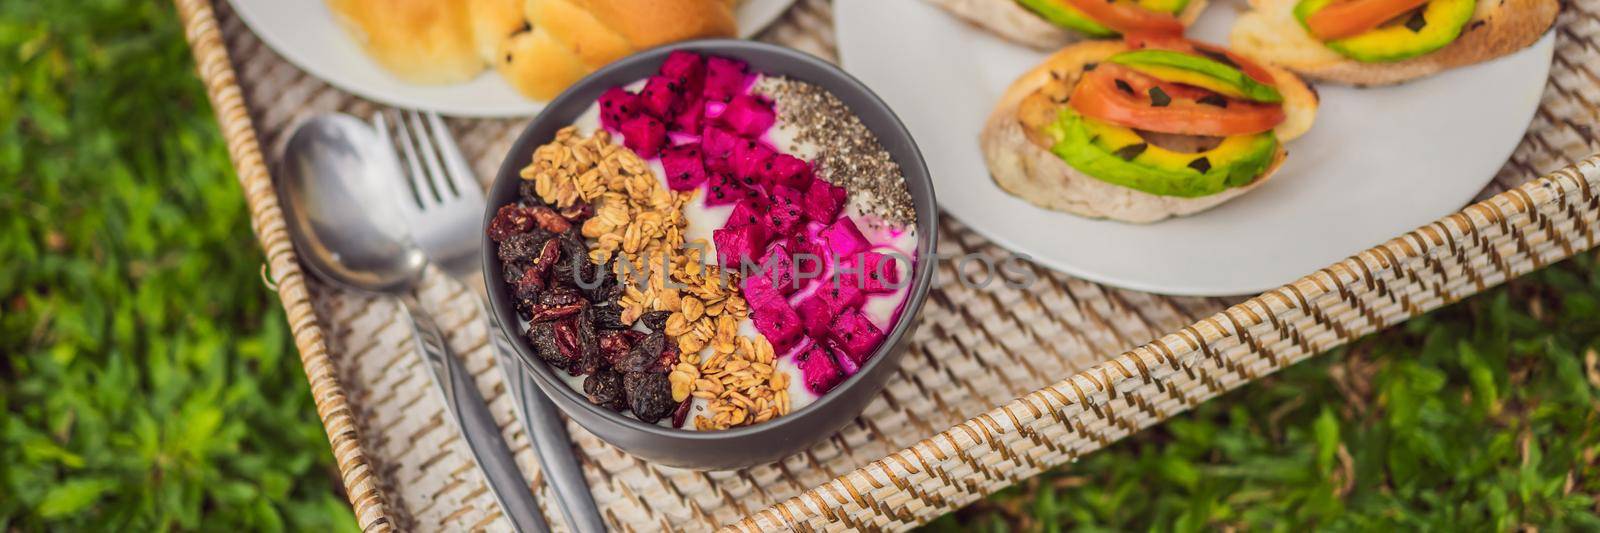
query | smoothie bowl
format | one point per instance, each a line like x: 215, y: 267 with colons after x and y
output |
x: 711, y: 254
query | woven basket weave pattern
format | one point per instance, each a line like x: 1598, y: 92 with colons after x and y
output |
x: 934, y: 439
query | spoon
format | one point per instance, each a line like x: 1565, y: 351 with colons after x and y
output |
x: 332, y: 165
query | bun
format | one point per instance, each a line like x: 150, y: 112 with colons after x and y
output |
x: 1009, y: 19
x: 540, y: 46
x: 1499, y: 27
x: 575, y: 37
x: 1020, y: 161
x: 420, y: 41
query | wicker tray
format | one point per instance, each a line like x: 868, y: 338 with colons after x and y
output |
x: 934, y: 439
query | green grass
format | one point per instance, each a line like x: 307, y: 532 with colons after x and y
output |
x: 1480, y: 416
x: 148, y: 381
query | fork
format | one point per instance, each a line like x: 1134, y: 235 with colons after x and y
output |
x: 444, y: 213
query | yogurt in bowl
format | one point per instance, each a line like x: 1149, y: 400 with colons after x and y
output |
x: 712, y: 247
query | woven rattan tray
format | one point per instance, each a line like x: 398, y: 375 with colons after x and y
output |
x: 998, y: 385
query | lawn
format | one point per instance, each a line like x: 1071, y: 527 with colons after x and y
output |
x: 149, y: 382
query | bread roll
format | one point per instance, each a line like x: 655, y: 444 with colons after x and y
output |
x: 1270, y: 32
x: 571, y: 38
x: 494, y: 21
x: 419, y: 41
x: 1020, y: 160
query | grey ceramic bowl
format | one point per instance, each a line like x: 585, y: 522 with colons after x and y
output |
x: 780, y: 437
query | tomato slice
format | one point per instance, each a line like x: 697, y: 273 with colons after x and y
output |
x: 1127, y: 17
x: 1179, y: 44
x: 1353, y: 17
x: 1130, y: 103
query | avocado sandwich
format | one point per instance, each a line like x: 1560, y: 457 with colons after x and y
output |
x: 1382, y: 42
x: 1144, y: 128
x: 1051, y: 24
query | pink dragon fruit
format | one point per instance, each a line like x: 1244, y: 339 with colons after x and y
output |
x: 844, y: 240
x: 724, y: 78
x: 823, y: 201
x: 855, y: 335
x: 691, y: 118
x: 740, y: 243
x: 817, y: 367
x: 778, y: 269
x: 661, y: 97
x: 718, y: 145
x: 785, y: 213
x: 771, y: 314
x: 789, y: 171
x: 645, y: 135
x: 818, y: 310
x: 684, y: 166
x: 722, y: 189
x: 688, y: 69
x: 748, y: 115
x: 747, y: 213
x: 873, y: 272
x: 750, y: 158
x: 617, y: 105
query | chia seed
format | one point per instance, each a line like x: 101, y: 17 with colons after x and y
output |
x: 848, y: 154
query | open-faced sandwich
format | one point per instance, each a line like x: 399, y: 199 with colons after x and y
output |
x: 1143, y: 129
x: 1051, y: 24
x: 1380, y: 42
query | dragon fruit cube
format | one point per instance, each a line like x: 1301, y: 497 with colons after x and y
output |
x: 736, y: 244
x: 617, y: 105
x: 818, y: 310
x: 777, y: 267
x: 844, y: 240
x: 645, y: 135
x: 823, y: 201
x: 784, y: 214
x: 750, y: 157
x: 661, y: 97
x: 717, y: 144
x: 691, y: 118
x: 723, y: 189
x: 746, y: 213
x: 771, y: 314
x: 724, y: 78
x: 686, y: 68
x: 684, y: 166
x: 817, y: 367
x: 855, y: 335
x: 788, y: 171
x: 874, y: 273
x: 748, y: 115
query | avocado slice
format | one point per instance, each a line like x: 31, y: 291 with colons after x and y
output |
x: 1437, y: 24
x: 1058, y: 12
x: 1119, y: 156
x: 1203, y: 72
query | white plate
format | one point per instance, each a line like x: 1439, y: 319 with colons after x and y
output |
x: 1378, y: 162
x: 305, y: 33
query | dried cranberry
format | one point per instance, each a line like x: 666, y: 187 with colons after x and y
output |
x: 549, y: 219
x: 668, y: 359
x: 510, y: 220
x: 681, y: 414
x: 551, y: 313
x: 578, y: 213
x: 549, y: 254
x: 614, y: 346
x: 566, y: 341
x: 561, y: 295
